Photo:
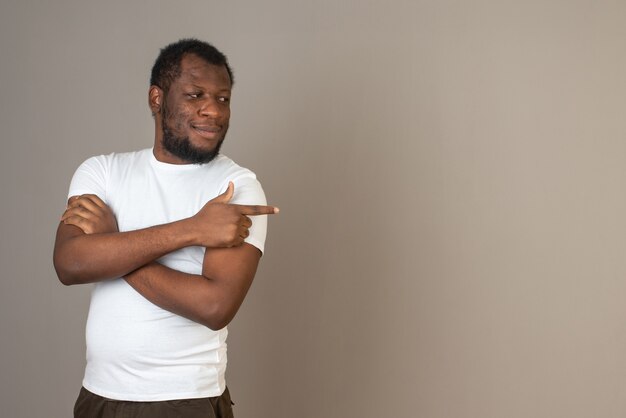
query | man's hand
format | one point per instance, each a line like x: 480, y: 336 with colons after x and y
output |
x: 89, y: 213
x: 220, y: 224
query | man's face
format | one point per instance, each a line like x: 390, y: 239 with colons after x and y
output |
x: 196, y: 111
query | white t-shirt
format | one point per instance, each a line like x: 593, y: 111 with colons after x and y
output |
x: 137, y: 351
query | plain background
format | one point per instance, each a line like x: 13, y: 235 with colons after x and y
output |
x: 451, y: 182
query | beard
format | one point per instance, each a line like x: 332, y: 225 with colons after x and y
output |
x: 181, y: 146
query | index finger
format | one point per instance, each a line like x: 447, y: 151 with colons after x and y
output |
x: 95, y: 199
x: 253, y: 210
x: 90, y: 197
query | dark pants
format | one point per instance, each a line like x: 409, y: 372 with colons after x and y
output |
x: 90, y: 405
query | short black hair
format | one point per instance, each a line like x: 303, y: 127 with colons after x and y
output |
x: 166, y: 68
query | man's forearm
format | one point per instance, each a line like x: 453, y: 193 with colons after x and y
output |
x: 81, y: 258
x: 211, y: 299
x: 195, y: 297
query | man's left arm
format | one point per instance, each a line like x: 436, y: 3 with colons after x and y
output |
x: 212, y: 298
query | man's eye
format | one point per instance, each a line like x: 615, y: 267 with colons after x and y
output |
x: 224, y: 99
x: 194, y: 95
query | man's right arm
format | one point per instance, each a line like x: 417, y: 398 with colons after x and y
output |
x: 103, y: 253
x: 81, y: 258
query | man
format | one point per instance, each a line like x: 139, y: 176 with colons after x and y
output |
x: 171, y: 237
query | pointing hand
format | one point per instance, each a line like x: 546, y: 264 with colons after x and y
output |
x: 223, y: 224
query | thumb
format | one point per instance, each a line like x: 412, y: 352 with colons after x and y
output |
x: 226, y: 196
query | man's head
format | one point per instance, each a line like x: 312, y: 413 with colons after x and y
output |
x: 189, y: 96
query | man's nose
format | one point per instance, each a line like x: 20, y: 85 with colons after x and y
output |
x: 209, y: 107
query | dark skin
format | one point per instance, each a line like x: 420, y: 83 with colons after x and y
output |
x: 197, y: 104
x: 89, y: 247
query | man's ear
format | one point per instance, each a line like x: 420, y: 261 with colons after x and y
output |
x: 155, y: 99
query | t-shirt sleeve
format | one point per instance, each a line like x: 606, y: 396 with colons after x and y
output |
x: 248, y: 191
x: 89, y: 178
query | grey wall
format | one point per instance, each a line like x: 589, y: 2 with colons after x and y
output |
x: 451, y: 178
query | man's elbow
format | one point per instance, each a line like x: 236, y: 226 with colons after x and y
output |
x: 68, y: 271
x: 214, y: 325
x: 218, y: 317
x: 65, y: 277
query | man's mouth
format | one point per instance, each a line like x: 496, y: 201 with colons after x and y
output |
x: 207, y: 131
